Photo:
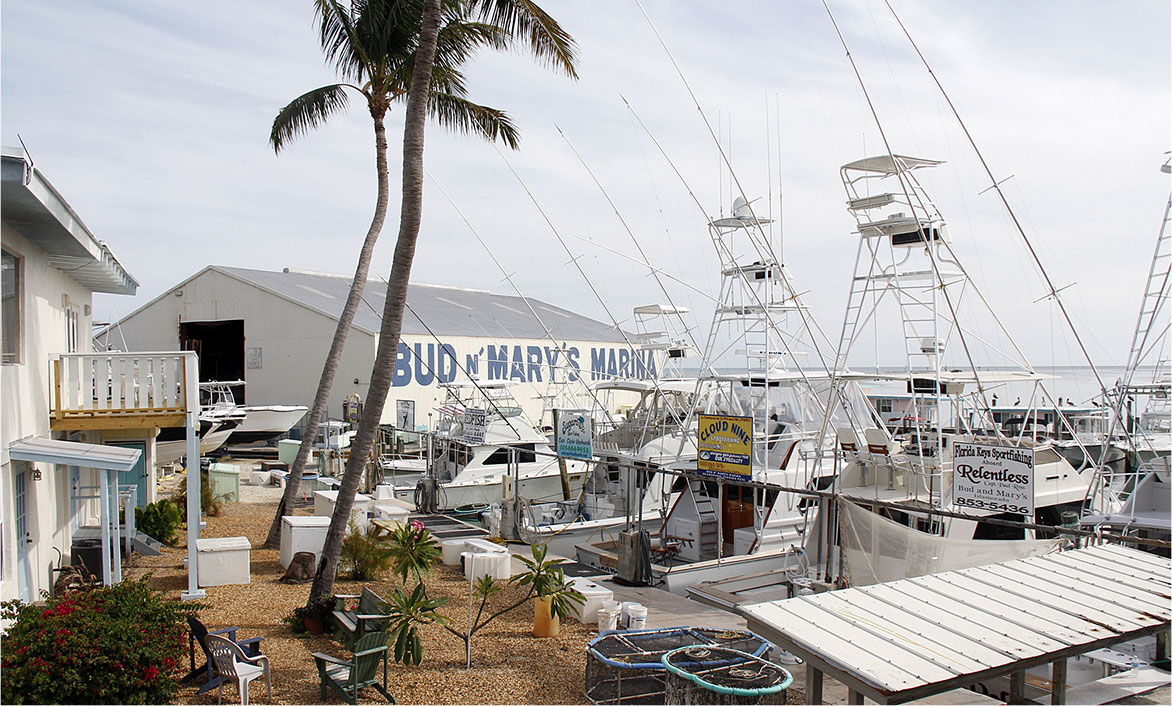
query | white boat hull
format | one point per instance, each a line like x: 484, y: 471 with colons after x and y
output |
x: 266, y: 422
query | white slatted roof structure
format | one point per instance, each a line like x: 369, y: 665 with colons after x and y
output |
x: 907, y: 639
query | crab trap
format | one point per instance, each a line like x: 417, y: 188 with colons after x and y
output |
x: 625, y: 666
x: 704, y: 674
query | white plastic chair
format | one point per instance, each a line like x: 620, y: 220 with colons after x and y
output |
x: 232, y: 663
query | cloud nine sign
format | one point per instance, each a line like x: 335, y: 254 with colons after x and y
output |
x: 725, y: 447
x: 997, y: 478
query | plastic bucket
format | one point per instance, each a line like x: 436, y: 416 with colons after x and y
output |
x: 625, y: 617
x: 608, y: 618
x: 636, y: 616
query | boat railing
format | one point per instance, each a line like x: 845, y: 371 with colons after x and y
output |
x: 154, y: 389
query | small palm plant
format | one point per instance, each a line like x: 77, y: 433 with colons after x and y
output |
x: 547, y: 580
x: 407, y: 614
x: 413, y: 551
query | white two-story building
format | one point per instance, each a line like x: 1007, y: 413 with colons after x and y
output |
x: 76, y: 428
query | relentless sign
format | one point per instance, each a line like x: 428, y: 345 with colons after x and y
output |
x: 572, y: 433
x: 405, y: 415
x: 997, y: 478
x: 475, y: 422
x: 726, y: 447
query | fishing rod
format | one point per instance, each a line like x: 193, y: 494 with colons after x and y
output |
x: 548, y: 333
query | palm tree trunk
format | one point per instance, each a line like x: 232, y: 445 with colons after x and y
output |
x: 392, y: 324
x: 334, y: 357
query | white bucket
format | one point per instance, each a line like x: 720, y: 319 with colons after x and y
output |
x: 625, y: 618
x: 608, y: 619
x: 636, y: 616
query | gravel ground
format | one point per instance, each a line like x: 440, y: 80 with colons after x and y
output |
x: 509, y: 665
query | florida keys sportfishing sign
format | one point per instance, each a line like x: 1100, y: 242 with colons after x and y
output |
x: 998, y: 478
x: 726, y: 447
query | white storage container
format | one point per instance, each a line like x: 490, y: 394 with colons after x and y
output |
x: 223, y: 561
x: 483, y: 545
x: 391, y: 512
x: 324, y: 501
x: 260, y: 478
x: 596, y: 598
x: 494, y: 564
x: 452, y: 548
x: 300, y: 533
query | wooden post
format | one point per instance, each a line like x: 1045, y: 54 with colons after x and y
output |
x: 1017, y: 688
x: 1058, y: 681
x: 855, y: 697
x: 813, y: 684
x: 1162, y: 645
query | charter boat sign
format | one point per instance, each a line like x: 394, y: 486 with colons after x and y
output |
x: 999, y: 478
x: 725, y: 448
x: 572, y: 429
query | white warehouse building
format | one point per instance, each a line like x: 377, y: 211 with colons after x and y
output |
x: 273, y: 329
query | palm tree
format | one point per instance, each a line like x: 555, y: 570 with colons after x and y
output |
x: 373, y: 46
x: 514, y: 18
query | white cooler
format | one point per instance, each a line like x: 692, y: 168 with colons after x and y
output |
x: 324, y: 501
x: 595, y: 597
x: 301, y: 533
x: 494, y: 564
x: 223, y: 561
x: 260, y: 478
x: 452, y: 548
x: 392, y: 513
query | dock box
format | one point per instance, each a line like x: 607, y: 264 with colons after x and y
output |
x: 223, y: 561
x: 225, y: 481
x: 596, y: 596
x: 325, y: 500
x: 300, y: 533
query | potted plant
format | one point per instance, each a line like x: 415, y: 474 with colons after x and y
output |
x: 554, y: 596
x: 315, y: 613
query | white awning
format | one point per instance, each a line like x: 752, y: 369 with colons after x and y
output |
x: 907, y: 639
x: 73, y: 453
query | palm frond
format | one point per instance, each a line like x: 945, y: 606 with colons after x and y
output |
x: 462, y: 115
x: 307, y: 112
x: 524, y: 20
x: 340, y: 40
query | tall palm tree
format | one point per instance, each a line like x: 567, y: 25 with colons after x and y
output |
x: 373, y: 46
x: 515, y: 18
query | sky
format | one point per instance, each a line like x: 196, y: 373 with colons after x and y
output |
x: 152, y: 120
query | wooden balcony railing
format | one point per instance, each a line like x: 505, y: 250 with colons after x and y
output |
x: 124, y: 390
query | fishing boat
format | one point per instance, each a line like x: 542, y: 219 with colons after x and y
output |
x: 717, y: 523
x: 261, y: 423
x: 905, y: 257
x: 483, y: 446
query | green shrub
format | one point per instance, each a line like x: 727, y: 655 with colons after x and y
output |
x: 209, y: 502
x: 364, y: 556
x: 121, y: 644
x: 159, y: 520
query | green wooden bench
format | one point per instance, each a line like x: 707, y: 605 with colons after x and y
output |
x: 369, y: 616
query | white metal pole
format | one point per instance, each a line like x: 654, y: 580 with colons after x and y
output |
x: 191, y: 388
x: 104, y: 502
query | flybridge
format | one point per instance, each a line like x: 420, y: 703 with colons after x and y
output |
x: 430, y: 363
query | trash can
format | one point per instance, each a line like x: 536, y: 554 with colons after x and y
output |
x: 87, y: 553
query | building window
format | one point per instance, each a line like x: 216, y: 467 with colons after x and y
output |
x: 11, y: 288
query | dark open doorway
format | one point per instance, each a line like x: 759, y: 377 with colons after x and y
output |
x: 220, y: 347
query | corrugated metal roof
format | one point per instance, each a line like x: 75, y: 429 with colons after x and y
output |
x: 905, y: 639
x: 447, y: 311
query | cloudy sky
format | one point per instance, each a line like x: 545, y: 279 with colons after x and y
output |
x: 152, y: 120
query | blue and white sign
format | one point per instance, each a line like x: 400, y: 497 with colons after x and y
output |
x: 572, y: 433
x: 475, y: 422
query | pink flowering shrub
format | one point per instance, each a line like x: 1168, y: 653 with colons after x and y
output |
x: 122, y: 644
